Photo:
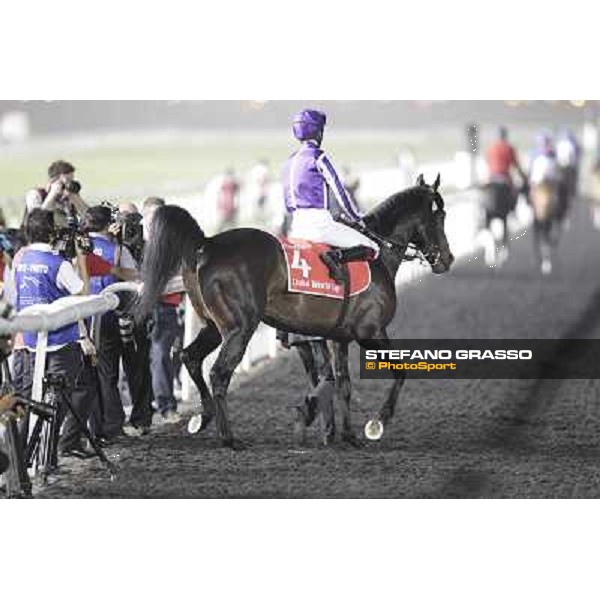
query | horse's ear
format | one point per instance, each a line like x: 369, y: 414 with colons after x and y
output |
x: 421, y: 180
x: 436, y: 183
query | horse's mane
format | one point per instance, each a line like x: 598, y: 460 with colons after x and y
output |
x: 384, y: 217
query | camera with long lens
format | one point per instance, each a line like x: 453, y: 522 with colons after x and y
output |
x: 130, y: 232
x: 67, y: 238
x: 73, y: 187
x: 69, y: 187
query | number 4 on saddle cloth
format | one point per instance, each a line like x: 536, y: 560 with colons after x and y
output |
x: 308, y: 274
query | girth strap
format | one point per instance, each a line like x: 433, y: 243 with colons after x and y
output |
x: 344, y: 308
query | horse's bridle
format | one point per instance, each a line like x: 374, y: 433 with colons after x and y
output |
x: 430, y: 256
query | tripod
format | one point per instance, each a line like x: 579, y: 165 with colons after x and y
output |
x: 39, y: 451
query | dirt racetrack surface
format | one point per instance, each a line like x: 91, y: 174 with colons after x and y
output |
x: 449, y: 439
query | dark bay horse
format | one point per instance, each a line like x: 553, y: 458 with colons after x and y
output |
x: 545, y: 203
x: 238, y: 278
x: 499, y: 200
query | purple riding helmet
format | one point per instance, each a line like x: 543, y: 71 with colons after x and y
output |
x: 309, y: 124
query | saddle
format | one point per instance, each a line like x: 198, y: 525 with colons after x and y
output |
x: 308, y: 274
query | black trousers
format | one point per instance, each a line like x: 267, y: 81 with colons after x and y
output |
x: 136, y: 363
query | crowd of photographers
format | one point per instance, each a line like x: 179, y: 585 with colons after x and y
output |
x: 65, y: 247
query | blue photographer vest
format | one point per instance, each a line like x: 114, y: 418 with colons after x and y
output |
x: 35, y: 283
x: 107, y: 250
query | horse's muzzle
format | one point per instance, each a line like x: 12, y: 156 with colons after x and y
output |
x: 442, y: 263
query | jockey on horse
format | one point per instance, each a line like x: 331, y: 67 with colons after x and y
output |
x: 308, y: 176
x: 500, y: 193
x: 501, y: 158
x: 544, y: 175
x: 240, y: 278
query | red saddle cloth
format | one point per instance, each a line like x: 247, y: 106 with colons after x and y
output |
x: 307, y: 274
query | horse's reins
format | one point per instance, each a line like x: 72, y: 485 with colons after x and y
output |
x: 396, y: 247
x: 391, y: 245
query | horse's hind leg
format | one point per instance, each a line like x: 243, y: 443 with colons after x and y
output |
x: 344, y: 390
x: 193, y: 356
x: 541, y: 230
x: 324, y: 390
x: 230, y: 356
x: 306, y: 412
x: 316, y: 359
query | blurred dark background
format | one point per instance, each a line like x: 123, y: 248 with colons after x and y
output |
x: 47, y: 117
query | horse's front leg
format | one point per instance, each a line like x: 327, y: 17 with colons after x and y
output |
x: 375, y: 427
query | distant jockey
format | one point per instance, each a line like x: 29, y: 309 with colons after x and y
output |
x: 568, y: 156
x: 568, y: 152
x: 308, y: 179
x: 543, y: 164
x: 501, y: 158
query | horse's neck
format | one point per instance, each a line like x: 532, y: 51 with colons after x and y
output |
x: 402, y: 231
x: 392, y: 261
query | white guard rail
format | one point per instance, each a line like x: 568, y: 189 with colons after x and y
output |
x: 48, y: 317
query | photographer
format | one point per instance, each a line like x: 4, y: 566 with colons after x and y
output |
x: 60, y: 194
x: 134, y: 339
x: 102, y: 224
x: 41, y: 276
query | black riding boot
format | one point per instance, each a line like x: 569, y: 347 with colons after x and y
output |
x: 334, y: 259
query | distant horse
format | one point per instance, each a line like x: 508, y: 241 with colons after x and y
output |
x: 239, y: 278
x: 566, y: 192
x: 499, y: 200
x: 545, y: 203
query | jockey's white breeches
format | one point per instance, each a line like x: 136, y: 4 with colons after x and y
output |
x: 317, y: 225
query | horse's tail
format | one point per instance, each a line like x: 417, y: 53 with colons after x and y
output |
x: 173, y: 242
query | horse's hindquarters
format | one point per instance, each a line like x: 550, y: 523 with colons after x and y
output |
x: 499, y: 199
x: 542, y: 201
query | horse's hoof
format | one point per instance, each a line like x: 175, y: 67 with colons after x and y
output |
x: 199, y: 422
x: 234, y: 444
x: 327, y: 433
x: 374, y: 430
x: 328, y: 438
x: 195, y: 424
x: 299, y: 432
